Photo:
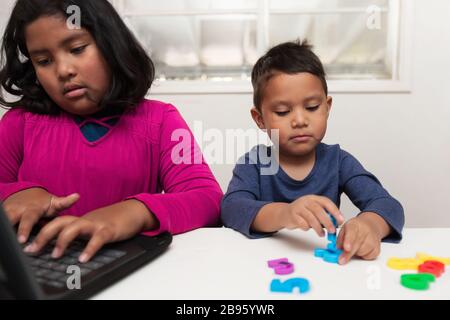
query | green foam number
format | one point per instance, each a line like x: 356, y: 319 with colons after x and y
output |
x: 417, y: 281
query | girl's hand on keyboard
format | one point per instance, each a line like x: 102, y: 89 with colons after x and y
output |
x: 27, y: 207
x: 117, y: 222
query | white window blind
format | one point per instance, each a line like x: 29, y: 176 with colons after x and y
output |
x: 220, y: 40
x: 211, y: 45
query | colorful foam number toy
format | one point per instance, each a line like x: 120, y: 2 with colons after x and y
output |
x: 435, y: 268
x: 404, y: 263
x: 413, y: 263
x: 417, y: 281
x: 423, y: 257
x: 289, y: 285
x: 331, y: 253
x: 428, y: 267
x: 282, y: 266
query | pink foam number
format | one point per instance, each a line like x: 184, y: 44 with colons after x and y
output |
x: 284, y: 268
x: 276, y: 262
x: 281, y: 266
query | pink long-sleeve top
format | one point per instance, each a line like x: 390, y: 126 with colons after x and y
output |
x: 139, y: 158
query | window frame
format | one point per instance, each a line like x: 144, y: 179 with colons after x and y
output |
x: 399, y: 40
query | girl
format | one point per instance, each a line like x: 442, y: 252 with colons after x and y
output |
x: 82, y: 143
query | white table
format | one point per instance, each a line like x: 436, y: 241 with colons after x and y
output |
x: 219, y: 263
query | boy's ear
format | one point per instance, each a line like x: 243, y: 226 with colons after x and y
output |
x: 257, y: 117
x: 329, y: 104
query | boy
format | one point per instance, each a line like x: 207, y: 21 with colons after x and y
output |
x: 291, y: 97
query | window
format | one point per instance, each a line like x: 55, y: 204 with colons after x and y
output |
x: 201, y: 44
x: 5, y: 11
x: 211, y: 45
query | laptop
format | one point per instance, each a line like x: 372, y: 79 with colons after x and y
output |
x: 41, y: 277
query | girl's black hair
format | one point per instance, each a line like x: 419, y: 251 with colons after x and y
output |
x: 132, y: 69
x: 290, y: 58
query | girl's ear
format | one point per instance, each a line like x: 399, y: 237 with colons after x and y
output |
x: 257, y: 117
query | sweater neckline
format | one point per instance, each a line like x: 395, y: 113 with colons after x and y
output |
x: 100, y: 119
x: 284, y: 176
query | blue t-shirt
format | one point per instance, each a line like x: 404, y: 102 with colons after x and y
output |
x: 335, y: 171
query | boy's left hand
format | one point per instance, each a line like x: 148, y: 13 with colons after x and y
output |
x: 361, y: 236
x: 109, y: 224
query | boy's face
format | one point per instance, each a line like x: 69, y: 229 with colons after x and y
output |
x: 68, y: 64
x: 297, y: 106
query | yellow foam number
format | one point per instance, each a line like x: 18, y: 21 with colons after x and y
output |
x: 404, y: 263
x: 413, y: 263
x: 425, y: 257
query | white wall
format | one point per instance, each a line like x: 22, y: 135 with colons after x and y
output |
x: 404, y: 139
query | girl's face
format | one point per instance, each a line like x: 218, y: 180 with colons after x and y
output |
x: 68, y: 64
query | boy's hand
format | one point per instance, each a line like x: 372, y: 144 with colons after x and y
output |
x: 27, y: 207
x: 361, y: 236
x: 109, y: 224
x: 311, y: 212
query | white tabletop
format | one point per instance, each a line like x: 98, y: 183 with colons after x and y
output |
x: 219, y: 263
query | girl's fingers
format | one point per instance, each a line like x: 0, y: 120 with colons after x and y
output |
x: 70, y: 228
x: 80, y: 228
x: 97, y: 241
x: 47, y: 233
x: 13, y: 215
x: 26, y: 225
x: 58, y: 204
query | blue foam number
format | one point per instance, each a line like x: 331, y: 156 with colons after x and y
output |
x: 288, y: 286
x: 331, y: 253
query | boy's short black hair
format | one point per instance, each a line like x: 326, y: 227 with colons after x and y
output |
x: 290, y: 58
x: 132, y: 71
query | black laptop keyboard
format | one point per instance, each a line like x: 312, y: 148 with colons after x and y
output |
x: 55, y: 272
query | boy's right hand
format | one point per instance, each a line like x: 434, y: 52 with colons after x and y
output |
x: 311, y: 212
x: 27, y: 207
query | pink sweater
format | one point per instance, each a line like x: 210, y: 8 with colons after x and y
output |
x: 132, y: 161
